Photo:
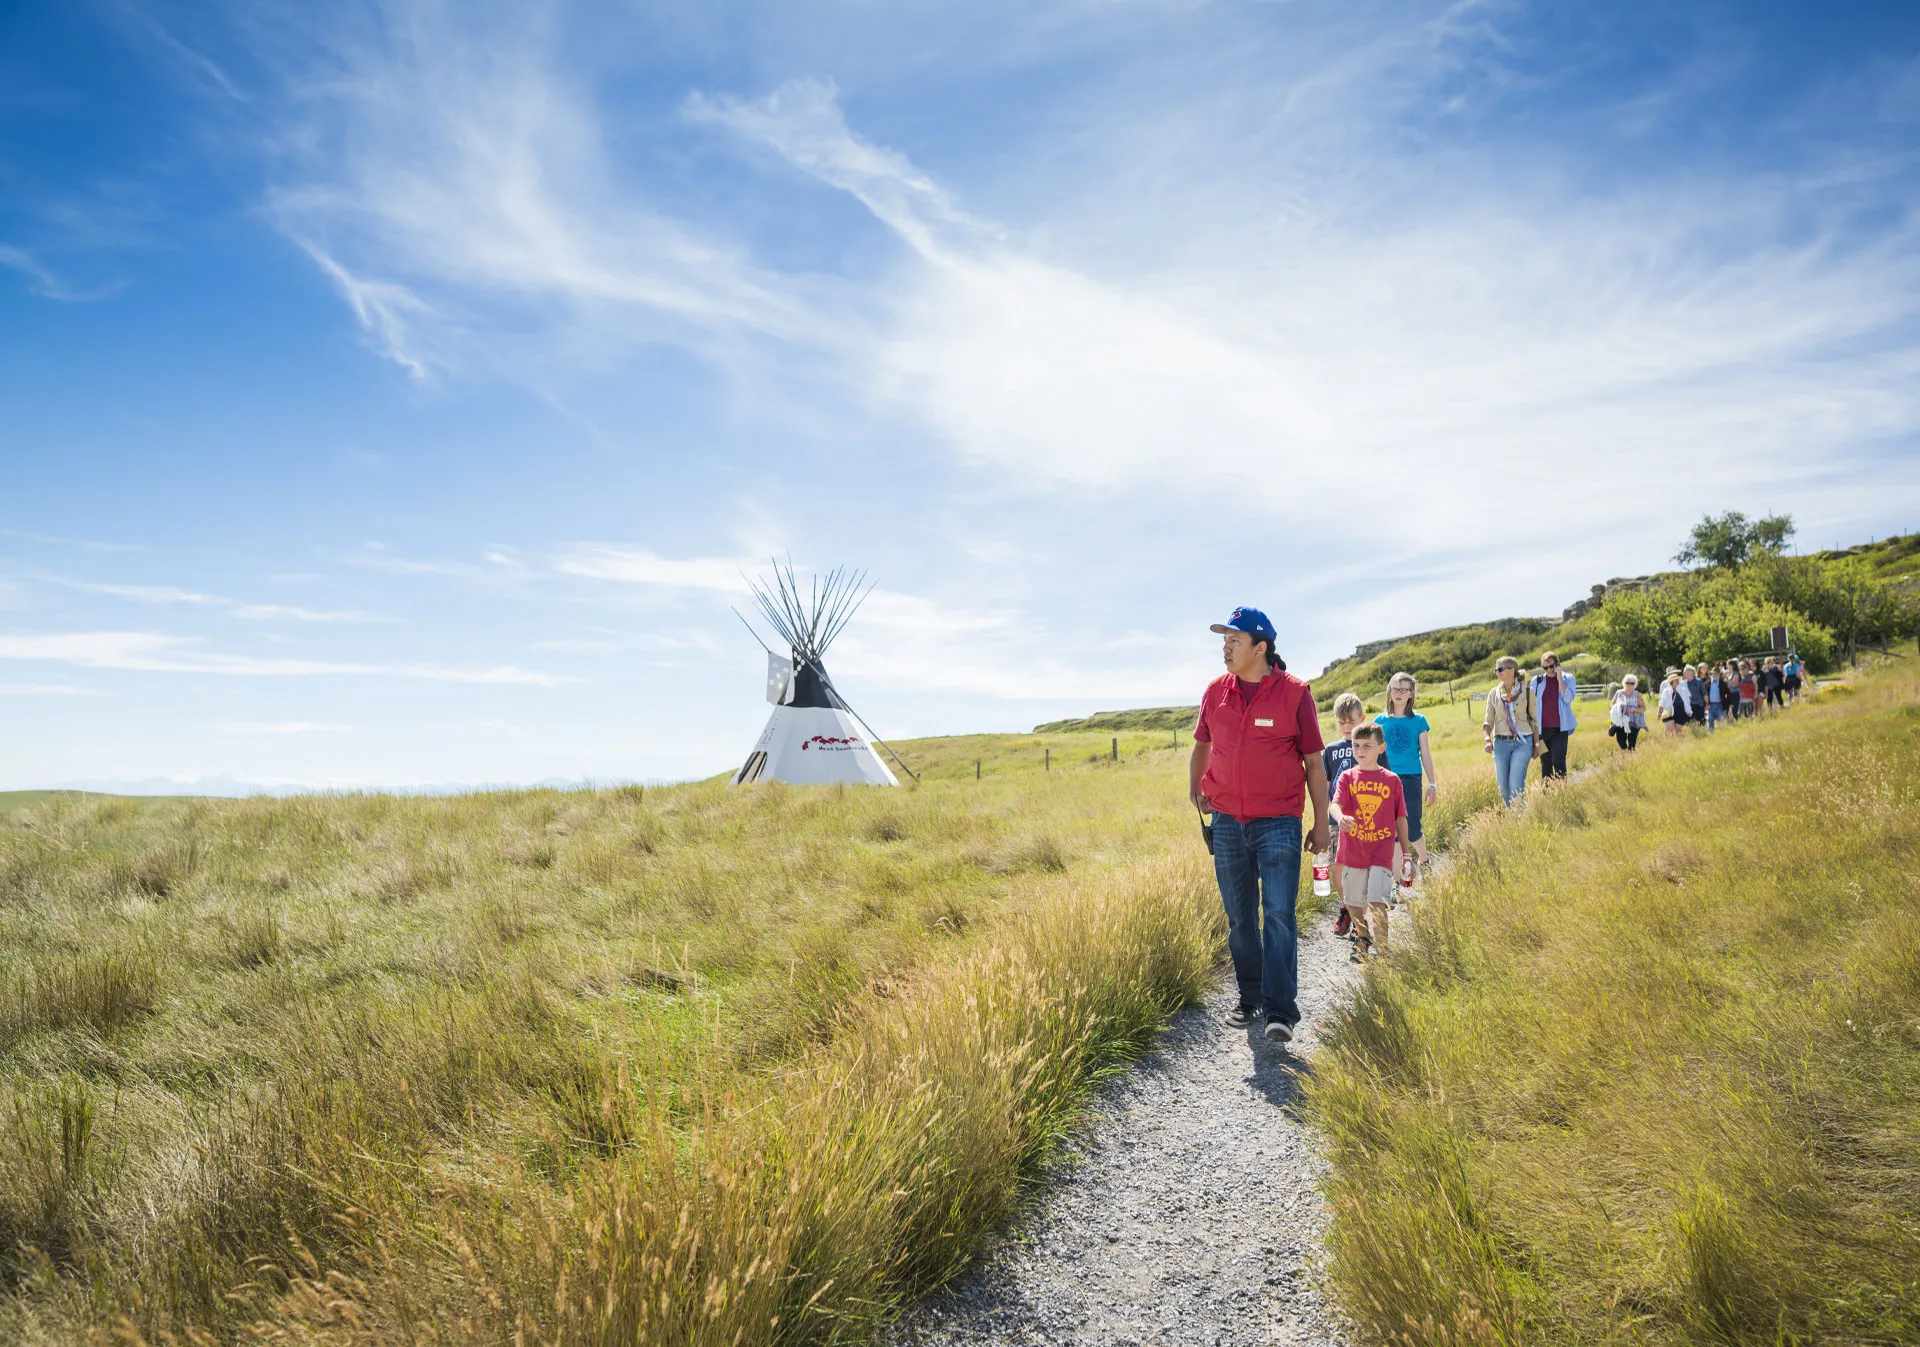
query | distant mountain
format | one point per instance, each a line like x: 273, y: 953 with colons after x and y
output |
x: 227, y: 787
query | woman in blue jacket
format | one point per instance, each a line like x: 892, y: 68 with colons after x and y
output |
x: 1556, y: 714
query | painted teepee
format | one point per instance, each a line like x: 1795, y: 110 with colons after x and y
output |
x: 813, y: 737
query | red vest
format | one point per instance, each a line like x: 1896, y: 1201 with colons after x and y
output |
x: 1258, y: 745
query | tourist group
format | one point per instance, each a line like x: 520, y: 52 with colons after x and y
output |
x: 1259, y: 755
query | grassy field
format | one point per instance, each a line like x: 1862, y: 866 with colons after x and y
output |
x: 681, y: 1063
x: 1650, y: 1072
x: 675, y: 1064
x: 16, y: 802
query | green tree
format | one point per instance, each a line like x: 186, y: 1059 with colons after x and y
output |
x: 1645, y: 629
x: 1726, y: 542
x: 1846, y: 597
x: 1867, y: 607
x: 1769, y: 536
x: 1721, y: 627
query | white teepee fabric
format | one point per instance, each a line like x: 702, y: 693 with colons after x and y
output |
x: 812, y: 737
x: 814, y: 745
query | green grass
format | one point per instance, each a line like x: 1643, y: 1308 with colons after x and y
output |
x: 1650, y: 1071
x: 13, y: 803
x: 666, y: 1064
x: 1179, y: 718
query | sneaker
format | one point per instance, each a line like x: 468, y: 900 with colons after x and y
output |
x: 1241, y: 1016
x: 1279, y: 1031
x: 1361, y: 946
x: 1343, y: 923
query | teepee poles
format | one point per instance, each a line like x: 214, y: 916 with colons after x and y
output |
x: 809, y: 622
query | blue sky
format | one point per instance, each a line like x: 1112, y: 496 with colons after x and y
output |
x: 393, y: 393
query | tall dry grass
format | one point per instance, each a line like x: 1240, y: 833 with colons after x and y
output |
x: 668, y: 1065
x: 1651, y: 1070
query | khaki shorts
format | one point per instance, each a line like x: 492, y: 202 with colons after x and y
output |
x: 1359, y: 887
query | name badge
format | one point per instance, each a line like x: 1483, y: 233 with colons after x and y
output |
x: 1264, y: 724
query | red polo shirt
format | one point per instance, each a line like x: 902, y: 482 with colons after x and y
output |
x: 1258, y: 743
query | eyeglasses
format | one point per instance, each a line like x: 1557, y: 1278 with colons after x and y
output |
x: 1550, y: 664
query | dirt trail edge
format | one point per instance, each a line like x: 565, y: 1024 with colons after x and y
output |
x: 1190, y: 1213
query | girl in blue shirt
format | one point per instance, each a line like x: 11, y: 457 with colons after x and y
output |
x: 1408, y: 756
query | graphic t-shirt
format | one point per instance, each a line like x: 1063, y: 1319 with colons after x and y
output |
x: 1336, y: 757
x: 1746, y: 687
x: 1403, y: 742
x: 1372, y: 802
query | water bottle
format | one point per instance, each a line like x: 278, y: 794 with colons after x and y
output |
x: 1406, y: 874
x: 1323, y: 874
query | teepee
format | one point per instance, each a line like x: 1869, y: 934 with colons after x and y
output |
x: 813, y: 737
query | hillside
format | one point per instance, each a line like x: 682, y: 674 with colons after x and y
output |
x: 1463, y: 655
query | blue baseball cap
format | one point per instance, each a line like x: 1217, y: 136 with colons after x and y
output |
x: 1250, y: 620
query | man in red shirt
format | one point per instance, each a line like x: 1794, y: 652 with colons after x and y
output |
x: 1256, y: 758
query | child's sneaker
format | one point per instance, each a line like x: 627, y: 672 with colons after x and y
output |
x: 1343, y: 923
x: 1361, y: 947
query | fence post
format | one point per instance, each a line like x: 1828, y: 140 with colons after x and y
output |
x: 976, y: 769
x: 1116, y: 748
x: 1049, y: 760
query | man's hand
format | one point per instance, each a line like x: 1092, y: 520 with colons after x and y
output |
x: 1489, y: 744
x: 1431, y: 793
x: 1317, y: 837
x: 1201, y: 802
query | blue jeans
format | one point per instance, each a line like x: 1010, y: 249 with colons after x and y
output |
x: 1714, y: 714
x: 1510, y: 759
x: 1258, y: 866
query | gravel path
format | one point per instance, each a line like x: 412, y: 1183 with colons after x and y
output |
x: 1191, y: 1215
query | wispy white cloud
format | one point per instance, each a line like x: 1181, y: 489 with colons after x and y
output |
x: 173, y: 594
x: 385, y: 311
x: 43, y: 282
x: 203, y: 69
x: 452, y: 172
x: 143, y: 593
x: 608, y: 642
x: 802, y: 121
x: 1495, y: 321
x: 638, y: 566
x: 929, y: 645
x: 1247, y: 263
x: 88, y: 543
x: 282, y: 727
x: 268, y: 612
x: 156, y: 652
x: 377, y: 556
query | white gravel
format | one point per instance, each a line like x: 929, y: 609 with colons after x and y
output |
x: 1190, y: 1213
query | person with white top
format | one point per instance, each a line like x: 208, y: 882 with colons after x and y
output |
x: 1628, y: 713
x: 1675, y: 704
